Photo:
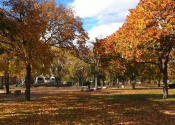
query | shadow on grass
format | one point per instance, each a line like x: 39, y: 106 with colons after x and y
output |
x: 139, y: 88
x: 97, y: 108
x: 136, y: 97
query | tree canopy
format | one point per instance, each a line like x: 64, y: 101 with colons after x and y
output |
x: 39, y: 26
x: 147, y: 36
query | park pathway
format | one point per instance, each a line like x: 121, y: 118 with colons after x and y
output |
x: 35, y: 93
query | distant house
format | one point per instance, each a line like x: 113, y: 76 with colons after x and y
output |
x: 40, y: 80
x: 43, y: 79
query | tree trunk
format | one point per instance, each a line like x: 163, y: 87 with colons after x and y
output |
x: 82, y: 81
x: 112, y: 82
x: 7, y: 83
x: 163, y: 61
x: 165, y: 88
x: 1, y: 87
x: 78, y: 81
x: 118, y: 86
x: 27, y: 82
x: 133, y: 82
x: 103, y: 82
x: 133, y: 85
x: 96, y: 80
x: 159, y: 83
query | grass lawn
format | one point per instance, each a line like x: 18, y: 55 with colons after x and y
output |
x: 142, y: 106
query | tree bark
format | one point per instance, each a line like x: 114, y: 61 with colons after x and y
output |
x: 7, y: 83
x: 163, y: 61
x: 1, y: 87
x: 103, y: 82
x: 27, y: 82
x: 159, y: 83
x: 78, y: 81
x: 133, y: 85
x: 96, y: 80
x: 165, y: 88
x: 133, y: 82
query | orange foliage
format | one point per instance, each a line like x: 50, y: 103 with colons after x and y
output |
x: 142, y: 35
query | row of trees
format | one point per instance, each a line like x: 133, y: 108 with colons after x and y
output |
x: 30, y: 33
x: 37, y: 37
x: 144, y: 43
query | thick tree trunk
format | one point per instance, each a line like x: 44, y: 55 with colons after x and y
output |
x: 7, y: 83
x: 133, y: 85
x: 133, y: 82
x: 112, y: 82
x: 27, y: 82
x: 2, y: 80
x: 159, y: 83
x: 78, y: 81
x: 163, y: 61
x: 96, y: 81
x: 165, y: 92
x: 103, y: 82
x: 165, y: 88
x: 118, y: 86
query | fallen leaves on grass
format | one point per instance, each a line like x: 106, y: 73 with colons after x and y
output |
x: 105, y: 107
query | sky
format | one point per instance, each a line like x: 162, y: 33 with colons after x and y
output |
x: 101, y: 18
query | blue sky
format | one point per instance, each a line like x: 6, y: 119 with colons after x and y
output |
x: 101, y: 17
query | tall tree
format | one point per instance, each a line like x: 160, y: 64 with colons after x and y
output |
x: 41, y: 25
x: 158, y: 33
x: 150, y: 34
x: 147, y: 36
x: 31, y: 20
x: 7, y: 35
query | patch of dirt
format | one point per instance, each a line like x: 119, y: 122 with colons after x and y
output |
x: 35, y: 93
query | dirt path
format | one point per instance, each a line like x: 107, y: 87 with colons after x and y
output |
x: 35, y: 93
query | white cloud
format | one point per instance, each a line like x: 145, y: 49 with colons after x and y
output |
x: 110, y: 14
x: 90, y: 8
x: 107, y: 19
x: 102, y: 31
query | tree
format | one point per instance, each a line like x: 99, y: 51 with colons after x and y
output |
x: 68, y: 66
x: 150, y: 34
x: 110, y: 58
x: 159, y: 32
x: 30, y: 24
x: 7, y: 35
x: 41, y: 25
x: 64, y: 27
x: 147, y: 32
